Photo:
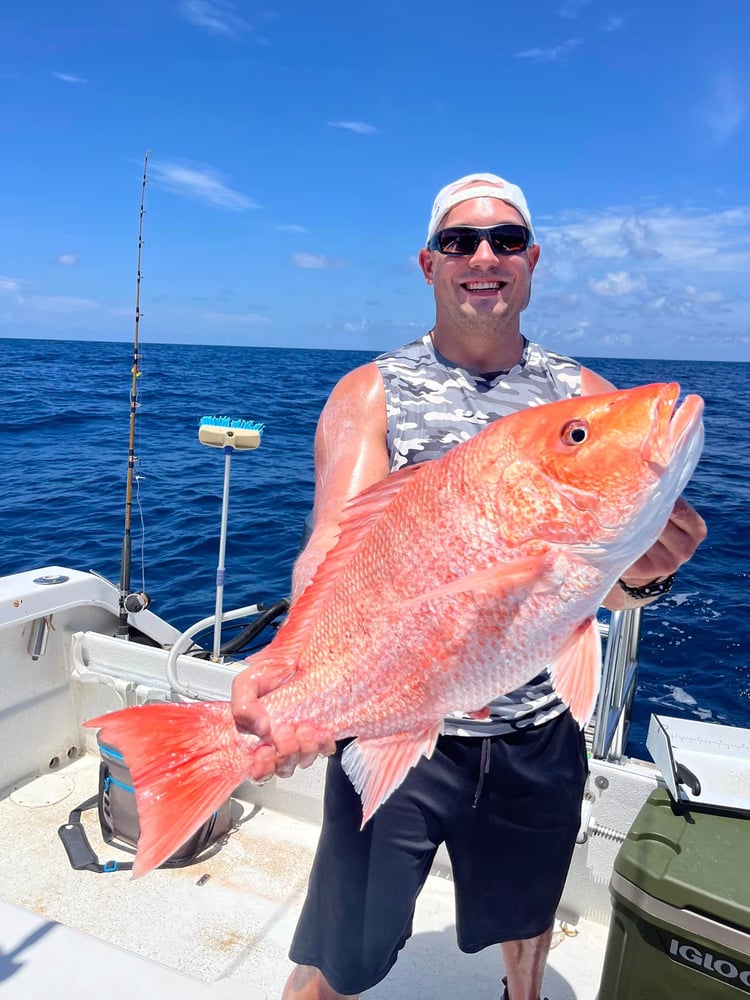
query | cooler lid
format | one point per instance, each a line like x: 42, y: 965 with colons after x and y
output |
x: 693, y: 859
x: 703, y: 764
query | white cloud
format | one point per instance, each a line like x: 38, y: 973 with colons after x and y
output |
x: 649, y: 282
x: 617, y: 283
x: 13, y: 285
x: 311, y: 261
x: 717, y: 241
x: 703, y: 297
x: 236, y: 319
x: 63, y: 304
x: 361, y: 128
x: 70, y: 78
x: 639, y: 238
x: 67, y: 259
x: 356, y: 326
x: 215, y: 16
x: 571, y: 8
x: 613, y: 22
x: 724, y: 110
x: 292, y: 229
x: 616, y: 341
x: 202, y: 185
x: 558, y: 53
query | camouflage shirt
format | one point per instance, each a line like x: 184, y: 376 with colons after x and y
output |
x: 432, y: 405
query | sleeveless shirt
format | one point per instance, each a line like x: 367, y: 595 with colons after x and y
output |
x: 432, y: 405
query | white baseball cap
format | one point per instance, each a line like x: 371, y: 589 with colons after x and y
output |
x: 492, y: 187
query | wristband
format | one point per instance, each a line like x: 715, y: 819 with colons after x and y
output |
x: 654, y: 589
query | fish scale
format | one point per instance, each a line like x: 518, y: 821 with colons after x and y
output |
x: 452, y: 582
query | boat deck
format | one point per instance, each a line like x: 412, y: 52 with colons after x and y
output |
x: 223, y: 924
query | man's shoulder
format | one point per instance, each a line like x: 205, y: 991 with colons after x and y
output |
x: 593, y: 383
x: 553, y: 357
x: 416, y: 350
x: 356, y: 382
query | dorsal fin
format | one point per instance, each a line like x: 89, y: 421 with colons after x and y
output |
x: 360, y: 514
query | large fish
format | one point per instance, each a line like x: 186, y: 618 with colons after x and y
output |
x: 452, y: 582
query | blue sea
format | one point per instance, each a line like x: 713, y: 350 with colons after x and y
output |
x: 63, y: 465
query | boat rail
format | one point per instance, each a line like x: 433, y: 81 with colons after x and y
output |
x: 608, y: 730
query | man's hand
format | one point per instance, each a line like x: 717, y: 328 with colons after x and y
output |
x: 286, y: 747
x: 682, y: 535
x: 684, y: 532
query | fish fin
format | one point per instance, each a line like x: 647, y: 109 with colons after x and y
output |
x: 377, y: 767
x: 531, y: 572
x: 360, y: 514
x: 276, y: 663
x: 185, y: 761
x: 576, y: 671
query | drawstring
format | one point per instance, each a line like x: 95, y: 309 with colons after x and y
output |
x: 484, y: 767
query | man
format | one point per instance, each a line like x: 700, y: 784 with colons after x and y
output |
x: 504, y: 793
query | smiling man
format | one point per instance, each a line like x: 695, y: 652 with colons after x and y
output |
x: 502, y: 791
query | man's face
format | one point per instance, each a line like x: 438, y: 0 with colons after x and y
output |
x: 488, y: 291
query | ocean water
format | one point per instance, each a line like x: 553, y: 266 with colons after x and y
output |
x: 63, y: 467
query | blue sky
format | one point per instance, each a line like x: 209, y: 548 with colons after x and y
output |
x: 297, y: 147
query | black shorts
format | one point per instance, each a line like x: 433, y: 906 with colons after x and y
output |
x: 508, y: 808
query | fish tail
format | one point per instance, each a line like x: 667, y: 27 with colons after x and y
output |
x: 185, y: 761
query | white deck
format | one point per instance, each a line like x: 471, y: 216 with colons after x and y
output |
x: 232, y: 932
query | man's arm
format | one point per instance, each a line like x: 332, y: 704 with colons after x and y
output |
x: 682, y: 534
x: 350, y: 454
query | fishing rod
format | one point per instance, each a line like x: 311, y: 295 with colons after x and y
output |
x: 130, y: 601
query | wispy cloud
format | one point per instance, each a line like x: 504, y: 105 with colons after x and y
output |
x: 200, y: 184
x: 236, y: 319
x: 617, y: 283
x: 67, y: 259
x: 665, y: 239
x: 655, y: 279
x: 13, y: 285
x: 316, y: 262
x: 725, y: 109
x: 558, y: 53
x: 613, y: 22
x: 64, y: 304
x: 70, y: 78
x: 56, y: 312
x: 639, y: 238
x: 215, y: 16
x: 361, y: 128
x: 572, y: 8
x: 291, y: 228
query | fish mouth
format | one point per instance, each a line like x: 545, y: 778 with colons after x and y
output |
x: 671, y: 450
x: 674, y: 428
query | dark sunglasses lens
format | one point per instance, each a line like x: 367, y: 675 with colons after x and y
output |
x: 458, y: 241
x: 509, y: 239
x: 505, y: 239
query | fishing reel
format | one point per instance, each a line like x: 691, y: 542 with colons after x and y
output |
x: 137, y: 601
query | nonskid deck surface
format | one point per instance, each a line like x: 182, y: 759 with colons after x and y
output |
x: 232, y: 930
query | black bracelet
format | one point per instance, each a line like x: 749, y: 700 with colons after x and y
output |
x: 654, y: 589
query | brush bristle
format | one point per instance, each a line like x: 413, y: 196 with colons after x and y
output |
x: 247, y: 425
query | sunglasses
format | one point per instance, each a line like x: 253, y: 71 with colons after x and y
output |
x: 463, y: 241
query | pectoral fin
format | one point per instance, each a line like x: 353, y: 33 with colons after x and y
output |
x: 533, y: 574
x: 576, y: 671
x: 377, y: 767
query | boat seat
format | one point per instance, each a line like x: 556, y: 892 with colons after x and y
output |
x: 40, y: 957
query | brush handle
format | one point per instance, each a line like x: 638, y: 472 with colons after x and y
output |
x: 222, y: 551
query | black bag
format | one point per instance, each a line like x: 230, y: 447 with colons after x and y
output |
x: 118, y: 819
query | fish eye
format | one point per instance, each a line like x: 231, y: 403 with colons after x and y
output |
x: 575, y: 432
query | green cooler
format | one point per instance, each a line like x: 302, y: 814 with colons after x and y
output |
x: 680, y: 927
